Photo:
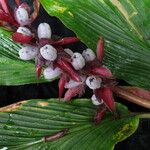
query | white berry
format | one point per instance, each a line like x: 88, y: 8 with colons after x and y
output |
x: 44, y: 31
x: 93, y: 83
x: 48, y: 52
x: 88, y: 55
x: 22, y: 16
x: 24, y: 30
x: 78, y: 61
x: 50, y: 73
x: 68, y: 51
x: 28, y: 52
x: 95, y: 101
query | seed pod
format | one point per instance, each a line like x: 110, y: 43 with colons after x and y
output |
x: 44, y: 31
x: 24, y: 31
x: 48, y: 52
x: 93, y: 83
x: 68, y: 51
x: 22, y: 16
x: 95, y: 101
x: 88, y: 55
x: 50, y: 73
x: 28, y: 52
x: 78, y: 61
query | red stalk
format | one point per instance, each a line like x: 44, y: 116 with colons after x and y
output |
x: 100, y: 49
x: 65, y: 41
x: 21, y: 38
x: 99, y: 115
x: 61, y: 84
x: 17, y: 2
x: 38, y: 71
x: 68, y: 69
x: 105, y: 94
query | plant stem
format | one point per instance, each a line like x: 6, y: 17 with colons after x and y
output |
x: 121, y: 92
x: 144, y: 116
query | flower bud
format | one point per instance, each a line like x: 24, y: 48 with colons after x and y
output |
x: 93, y: 83
x: 44, y: 31
x: 28, y: 52
x: 22, y: 16
x: 50, y: 73
x: 78, y: 61
x: 48, y: 52
x: 24, y: 30
x: 88, y: 55
x: 68, y: 51
x: 95, y: 101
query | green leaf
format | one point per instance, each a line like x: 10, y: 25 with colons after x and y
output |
x: 125, y: 26
x: 13, y: 72
x: 25, y: 124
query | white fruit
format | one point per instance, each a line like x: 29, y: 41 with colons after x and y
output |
x: 78, y: 61
x: 24, y: 31
x: 72, y: 83
x: 93, y: 83
x: 48, y: 52
x: 50, y: 73
x: 68, y: 51
x: 28, y: 52
x: 44, y: 31
x: 88, y: 55
x: 95, y: 100
x: 22, y: 16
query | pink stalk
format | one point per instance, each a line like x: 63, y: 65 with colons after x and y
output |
x: 100, y: 49
x: 101, y: 71
x: 72, y: 92
x: 4, y: 6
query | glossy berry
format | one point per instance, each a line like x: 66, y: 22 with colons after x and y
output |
x: 24, y: 31
x: 28, y: 52
x: 22, y: 16
x: 93, y: 83
x: 48, y: 52
x: 50, y: 73
x: 88, y: 55
x: 78, y: 61
x: 95, y: 101
x: 44, y: 31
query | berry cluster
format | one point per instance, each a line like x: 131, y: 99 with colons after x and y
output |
x: 76, y: 71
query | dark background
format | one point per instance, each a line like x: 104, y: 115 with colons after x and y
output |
x: 10, y: 94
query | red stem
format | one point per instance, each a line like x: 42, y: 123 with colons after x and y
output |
x: 121, y: 92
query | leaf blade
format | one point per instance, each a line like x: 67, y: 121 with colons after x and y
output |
x: 127, y: 54
x: 51, y: 116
